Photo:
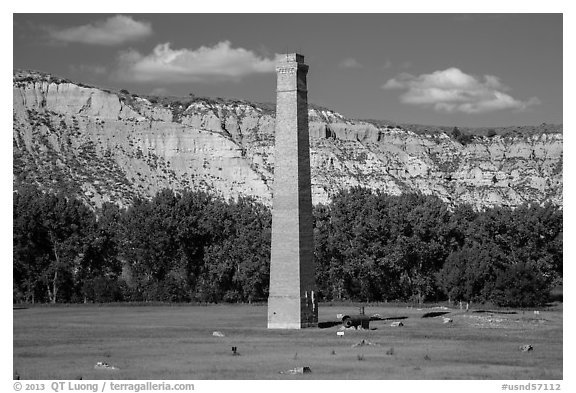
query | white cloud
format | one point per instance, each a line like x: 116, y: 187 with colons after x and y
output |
x: 205, y: 64
x: 115, y: 30
x: 349, y: 62
x: 452, y: 90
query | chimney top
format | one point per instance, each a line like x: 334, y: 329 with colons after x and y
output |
x: 292, y: 57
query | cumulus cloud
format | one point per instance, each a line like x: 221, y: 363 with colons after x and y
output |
x: 220, y: 62
x: 115, y: 30
x: 349, y: 62
x: 452, y: 90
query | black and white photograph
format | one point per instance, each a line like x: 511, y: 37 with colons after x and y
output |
x: 280, y: 196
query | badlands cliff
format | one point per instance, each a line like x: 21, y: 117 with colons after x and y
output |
x: 115, y: 146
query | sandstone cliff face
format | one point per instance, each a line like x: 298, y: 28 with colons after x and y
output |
x: 106, y: 146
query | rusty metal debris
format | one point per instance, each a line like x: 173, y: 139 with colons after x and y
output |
x: 104, y: 366
x: 297, y: 370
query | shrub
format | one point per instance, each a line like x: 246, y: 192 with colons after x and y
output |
x: 520, y: 286
x: 456, y: 133
x: 460, y: 137
x: 103, y: 290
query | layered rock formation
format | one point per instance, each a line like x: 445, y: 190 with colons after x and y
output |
x: 113, y: 146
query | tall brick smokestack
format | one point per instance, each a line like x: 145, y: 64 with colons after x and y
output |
x: 292, y: 303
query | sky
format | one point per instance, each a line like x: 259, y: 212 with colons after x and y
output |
x: 476, y: 70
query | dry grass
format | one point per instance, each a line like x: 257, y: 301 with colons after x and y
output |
x: 163, y: 342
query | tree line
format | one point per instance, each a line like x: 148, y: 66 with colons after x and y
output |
x: 373, y: 247
x: 197, y: 247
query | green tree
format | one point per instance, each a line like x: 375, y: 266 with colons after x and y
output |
x: 498, y: 243
x: 149, y: 246
x: 49, y: 236
x: 520, y: 285
x: 29, y: 245
x: 238, y: 264
x: 100, y: 269
x: 373, y: 246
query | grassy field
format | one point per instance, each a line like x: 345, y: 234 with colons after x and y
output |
x: 164, y: 342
